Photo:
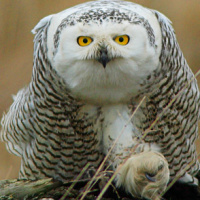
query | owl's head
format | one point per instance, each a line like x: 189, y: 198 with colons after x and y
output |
x: 104, y: 51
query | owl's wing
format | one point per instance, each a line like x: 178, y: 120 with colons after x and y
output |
x: 38, y: 129
x: 43, y: 125
x: 13, y: 124
x: 43, y: 22
x: 16, y: 124
x: 177, y: 85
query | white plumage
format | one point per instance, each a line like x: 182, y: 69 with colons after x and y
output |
x: 93, y: 64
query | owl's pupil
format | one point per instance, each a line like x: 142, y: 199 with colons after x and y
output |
x: 85, y: 40
x: 121, y: 39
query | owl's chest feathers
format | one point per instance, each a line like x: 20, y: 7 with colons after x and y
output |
x: 111, y: 123
x: 107, y: 119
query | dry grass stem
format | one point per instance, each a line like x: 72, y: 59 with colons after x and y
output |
x: 73, y: 184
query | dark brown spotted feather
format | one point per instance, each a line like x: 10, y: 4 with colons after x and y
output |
x: 46, y: 129
x: 177, y: 129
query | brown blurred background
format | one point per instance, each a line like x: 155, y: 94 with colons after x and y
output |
x: 18, y: 17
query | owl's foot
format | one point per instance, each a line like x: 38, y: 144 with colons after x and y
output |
x: 144, y: 175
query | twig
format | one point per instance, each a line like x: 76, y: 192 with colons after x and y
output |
x: 73, y: 184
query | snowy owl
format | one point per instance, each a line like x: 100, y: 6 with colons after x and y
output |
x: 95, y: 65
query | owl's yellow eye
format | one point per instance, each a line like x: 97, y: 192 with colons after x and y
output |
x: 122, y: 39
x: 84, y: 40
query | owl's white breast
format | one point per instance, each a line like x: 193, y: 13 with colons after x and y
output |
x: 118, y: 129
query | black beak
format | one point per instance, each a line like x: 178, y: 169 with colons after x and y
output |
x: 103, y: 57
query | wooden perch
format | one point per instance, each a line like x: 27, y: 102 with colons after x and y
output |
x: 53, y: 190
x: 25, y: 189
x: 45, y: 188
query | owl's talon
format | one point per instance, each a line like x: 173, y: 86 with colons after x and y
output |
x: 150, y: 177
x: 144, y: 175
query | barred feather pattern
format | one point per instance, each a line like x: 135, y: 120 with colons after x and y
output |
x: 177, y: 129
x: 44, y: 126
x: 49, y: 129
